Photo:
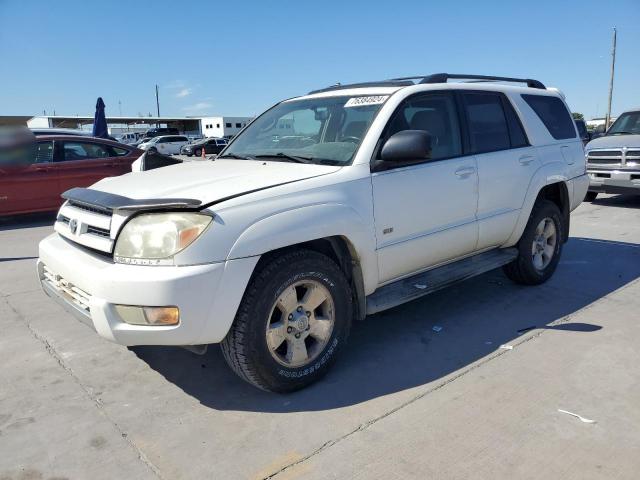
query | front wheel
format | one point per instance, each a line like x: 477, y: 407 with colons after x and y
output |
x: 293, y: 320
x: 539, y: 247
x: 197, y: 152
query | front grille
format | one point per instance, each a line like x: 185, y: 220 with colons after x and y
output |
x: 94, y: 209
x: 619, y: 157
x: 98, y: 231
x: 69, y: 291
x: 605, y: 153
x: 86, y: 225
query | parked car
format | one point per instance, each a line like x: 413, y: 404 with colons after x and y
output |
x: 613, y: 160
x: 584, y: 134
x: 141, y: 140
x: 210, y: 146
x: 273, y: 250
x: 128, y: 138
x: 156, y: 132
x: 58, y: 163
x: 168, y: 145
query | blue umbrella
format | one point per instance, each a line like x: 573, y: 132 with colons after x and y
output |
x: 99, y: 121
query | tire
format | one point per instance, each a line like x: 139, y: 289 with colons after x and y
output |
x: 198, y: 152
x: 254, y: 357
x: 527, y: 269
x: 152, y: 150
x: 590, y: 196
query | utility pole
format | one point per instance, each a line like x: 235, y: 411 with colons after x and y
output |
x: 157, y: 105
x: 613, y: 67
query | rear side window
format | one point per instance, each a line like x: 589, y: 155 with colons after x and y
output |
x: 84, y: 151
x: 44, y: 152
x: 516, y: 132
x: 119, y: 152
x: 554, y: 115
x: 488, y: 129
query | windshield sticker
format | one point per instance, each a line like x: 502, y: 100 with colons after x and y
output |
x: 362, y: 101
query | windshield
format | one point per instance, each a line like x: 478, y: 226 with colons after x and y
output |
x: 320, y: 130
x: 627, y: 123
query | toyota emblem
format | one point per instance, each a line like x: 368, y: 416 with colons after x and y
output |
x: 73, y: 225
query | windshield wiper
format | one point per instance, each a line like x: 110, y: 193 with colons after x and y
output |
x: 236, y: 155
x: 293, y: 158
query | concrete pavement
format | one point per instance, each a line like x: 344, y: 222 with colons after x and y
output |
x: 403, y: 402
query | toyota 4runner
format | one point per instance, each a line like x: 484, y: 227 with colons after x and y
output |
x: 379, y: 193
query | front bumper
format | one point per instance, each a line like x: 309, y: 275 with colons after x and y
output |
x: 614, y: 181
x: 89, y: 286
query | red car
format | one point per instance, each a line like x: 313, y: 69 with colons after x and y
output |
x: 60, y: 162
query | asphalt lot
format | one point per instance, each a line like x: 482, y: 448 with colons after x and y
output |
x: 403, y: 402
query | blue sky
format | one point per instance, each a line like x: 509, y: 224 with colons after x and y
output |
x: 237, y: 58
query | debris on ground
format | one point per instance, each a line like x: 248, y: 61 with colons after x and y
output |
x: 506, y: 347
x: 436, y: 328
x: 582, y: 419
x: 421, y: 286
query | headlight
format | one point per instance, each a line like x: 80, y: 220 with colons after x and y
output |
x: 154, y: 238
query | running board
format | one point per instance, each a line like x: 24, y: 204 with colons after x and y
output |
x: 417, y: 286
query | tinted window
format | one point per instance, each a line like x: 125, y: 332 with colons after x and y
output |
x: 84, y: 151
x: 238, y: 125
x: 554, y: 115
x: 435, y: 114
x: 228, y: 125
x: 44, y: 152
x: 626, y: 123
x: 582, y: 129
x: 488, y: 130
x: 119, y: 152
x: 516, y: 132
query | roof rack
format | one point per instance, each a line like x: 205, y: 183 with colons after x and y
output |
x: 443, y: 77
x: 398, y: 82
x: 433, y: 78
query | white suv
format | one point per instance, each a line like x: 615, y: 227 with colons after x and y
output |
x: 167, y: 144
x: 378, y: 194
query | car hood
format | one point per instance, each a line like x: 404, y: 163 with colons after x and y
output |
x: 209, y: 181
x: 614, y: 141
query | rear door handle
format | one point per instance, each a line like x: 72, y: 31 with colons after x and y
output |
x: 526, y: 159
x: 465, y: 171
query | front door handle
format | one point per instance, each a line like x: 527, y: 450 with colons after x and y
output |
x: 464, y: 172
x: 526, y: 159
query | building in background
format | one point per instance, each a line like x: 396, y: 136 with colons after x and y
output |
x: 194, y: 127
x: 221, y: 127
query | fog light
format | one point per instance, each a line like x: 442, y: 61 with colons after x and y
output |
x: 148, y: 315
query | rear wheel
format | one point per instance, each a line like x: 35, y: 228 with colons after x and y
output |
x: 590, y: 196
x: 294, y: 318
x: 539, y: 247
x: 197, y: 152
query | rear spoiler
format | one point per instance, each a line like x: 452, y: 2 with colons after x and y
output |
x: 110, y: 202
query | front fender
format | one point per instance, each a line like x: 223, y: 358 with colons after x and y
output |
x: 545, y: 175
x: 311, y: 223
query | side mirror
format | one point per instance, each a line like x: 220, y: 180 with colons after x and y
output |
x: 407, y: 145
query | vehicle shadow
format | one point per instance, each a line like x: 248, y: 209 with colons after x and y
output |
x: 29, y: 220
x: 623, y: 201
x: 398, y: 349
